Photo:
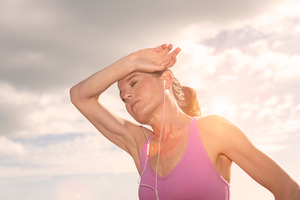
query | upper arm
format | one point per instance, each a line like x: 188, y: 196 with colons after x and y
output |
x: 119, y: 131
x: 236, y: 145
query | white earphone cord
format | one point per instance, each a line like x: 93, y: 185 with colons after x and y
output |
x: 158, y: 156
x: 161, y: 130
x: 139, y: 180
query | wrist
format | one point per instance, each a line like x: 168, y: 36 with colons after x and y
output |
x: 128, y: 63
x: 124, y: 66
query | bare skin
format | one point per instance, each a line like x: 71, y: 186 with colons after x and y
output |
x: 143, y: 94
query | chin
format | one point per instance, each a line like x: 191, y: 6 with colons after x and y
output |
x: 141, y: 119
x: 144, y: 112
x: 142, y: 116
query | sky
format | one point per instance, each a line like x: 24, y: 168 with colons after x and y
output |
x: 242, y: 58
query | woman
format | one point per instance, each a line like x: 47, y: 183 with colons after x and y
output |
x: 183, y: 156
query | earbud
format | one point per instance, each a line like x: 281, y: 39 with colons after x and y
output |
x: 164, y: 84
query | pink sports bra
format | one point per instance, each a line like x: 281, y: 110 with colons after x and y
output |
x: 193, y: 178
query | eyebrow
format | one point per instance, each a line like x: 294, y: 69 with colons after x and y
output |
x: 128, y: 80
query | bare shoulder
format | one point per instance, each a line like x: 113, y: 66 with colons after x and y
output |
x: 214, y: 123
x: 225, y: 133
x: 232, y: 141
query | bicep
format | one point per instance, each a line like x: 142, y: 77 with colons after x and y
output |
x: 116, y: 129
x: 254, y: 162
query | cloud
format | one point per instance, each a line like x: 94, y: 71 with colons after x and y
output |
x: 214, y: 12
x: 48, y: 40
x: 38, y: 60
x: 86, y: 153
x: 10, y: 148
x: 30, y: 114
x: 244, y: 78
x: 43, y: 50
x: 32, y: 13
x: 242, y: 62
x: 26, y: 113
x: 246, y: 50
x: 274, y: 122
x: 49, y: 125
x: 13, y: 111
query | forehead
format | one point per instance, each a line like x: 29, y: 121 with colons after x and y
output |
x: 126, y: 79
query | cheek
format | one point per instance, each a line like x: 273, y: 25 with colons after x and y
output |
x: 151, y: 97
x: 150, y: 100
x: 149, y: 94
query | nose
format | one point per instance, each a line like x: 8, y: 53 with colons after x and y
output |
x: 127, y: 97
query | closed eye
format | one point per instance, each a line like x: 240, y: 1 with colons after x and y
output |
x: 133, y: 83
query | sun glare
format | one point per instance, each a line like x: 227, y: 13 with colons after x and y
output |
x: 221, y: 106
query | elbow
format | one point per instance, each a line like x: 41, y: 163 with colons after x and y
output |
x: 79, y: 96
x: 74, y: 94
x: 291, y: 193
x: 295, y: 193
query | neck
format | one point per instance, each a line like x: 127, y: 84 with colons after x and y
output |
x: 173, y: 121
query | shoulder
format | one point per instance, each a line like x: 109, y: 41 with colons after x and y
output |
x: 227, y: 135
x: 214, y: 123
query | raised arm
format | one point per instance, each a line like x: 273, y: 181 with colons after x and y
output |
x: 85, y: 94
x: 255, y: 163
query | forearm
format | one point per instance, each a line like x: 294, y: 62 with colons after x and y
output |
x: 146, y: 60
x: 97, y: 83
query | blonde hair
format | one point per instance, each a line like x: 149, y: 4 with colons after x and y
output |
x: 186, y: 97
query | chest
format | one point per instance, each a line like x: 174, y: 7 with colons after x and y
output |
x: 163, y: 158
x: 172, y: 152
x: 184, y: 172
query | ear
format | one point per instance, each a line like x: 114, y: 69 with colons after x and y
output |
x: 168, y: 77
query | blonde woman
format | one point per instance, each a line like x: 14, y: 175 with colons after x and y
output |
x: 185, y: 155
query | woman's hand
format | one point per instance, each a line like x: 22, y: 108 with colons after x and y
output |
x: 154, y: 59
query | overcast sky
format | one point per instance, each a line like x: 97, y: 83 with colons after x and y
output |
x: 242, y: 57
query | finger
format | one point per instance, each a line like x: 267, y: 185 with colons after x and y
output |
x: 153, y: 67
x: 177, y: 50
x: 168, y: 49
x: 164, y: 46
x: 161, y: 47
x: 174, y: 54
x: 173, y: 57
x: 173, y: 61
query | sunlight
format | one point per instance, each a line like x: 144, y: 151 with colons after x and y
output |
x: 197, y: 56
x: 221, y: 106
x: 288, y: 8
x: 196, y: 61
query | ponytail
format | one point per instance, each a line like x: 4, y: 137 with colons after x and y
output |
x: 191, y: 106
x: 186, y: 97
